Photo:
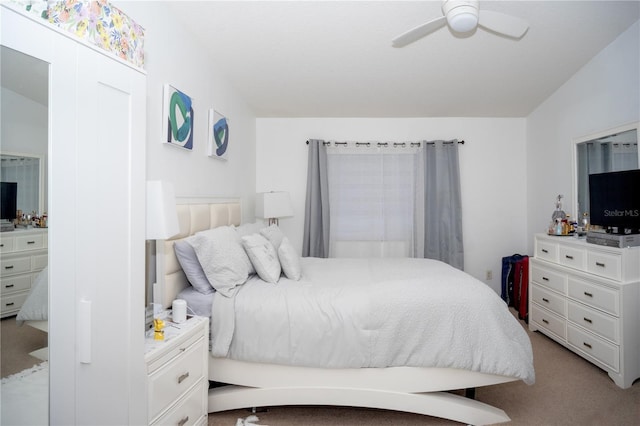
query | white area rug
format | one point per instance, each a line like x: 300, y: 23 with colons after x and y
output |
x: 25, y: 397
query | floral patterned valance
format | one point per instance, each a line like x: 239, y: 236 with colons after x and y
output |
x: 96, y: 22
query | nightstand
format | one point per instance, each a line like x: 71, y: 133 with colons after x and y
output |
x: 177, y: 371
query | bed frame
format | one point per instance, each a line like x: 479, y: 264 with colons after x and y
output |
x: 410, y: 389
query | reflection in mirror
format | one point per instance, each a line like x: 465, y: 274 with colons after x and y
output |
x: 610, y: 153
x: 27, y: 170
x: 24, y: 138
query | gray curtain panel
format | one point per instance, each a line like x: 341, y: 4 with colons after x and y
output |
x: 443, y: 205
x: 315, y: 241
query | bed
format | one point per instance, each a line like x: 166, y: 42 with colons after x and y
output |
x: 35, y: 310
x: 362, y: 361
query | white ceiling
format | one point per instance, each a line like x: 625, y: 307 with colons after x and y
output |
x: 335, y: 59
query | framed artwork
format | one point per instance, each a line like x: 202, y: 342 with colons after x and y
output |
x: 178, y: 118
x: 218, y: 135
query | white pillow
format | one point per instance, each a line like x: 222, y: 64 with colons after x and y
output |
x: 223, y: 260
x: 249, y: 228
x: 274, y: 235
x: 263, y: 257
x: 289, y: 260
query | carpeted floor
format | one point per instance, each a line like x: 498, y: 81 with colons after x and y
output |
x: 568, y: 391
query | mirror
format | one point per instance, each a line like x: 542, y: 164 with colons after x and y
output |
x: 24, y: 138
x: 610, y: 151
x: 28, y: 171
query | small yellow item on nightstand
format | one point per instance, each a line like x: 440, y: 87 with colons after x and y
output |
x: 158, y: 326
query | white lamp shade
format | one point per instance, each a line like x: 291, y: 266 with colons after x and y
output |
x: 272, y: 205
x: 162, y: 218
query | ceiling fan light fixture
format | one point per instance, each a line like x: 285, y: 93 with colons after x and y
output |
x: 462, y: 15
x: 463, y: 22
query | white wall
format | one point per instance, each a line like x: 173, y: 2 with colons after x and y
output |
x: 23, y: 127
x: 604, y: 94
x: 172, y: 57
x: 492, y: 173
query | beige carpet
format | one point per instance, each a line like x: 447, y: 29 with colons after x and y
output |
x: 568, y: 391
x: 16, y: 344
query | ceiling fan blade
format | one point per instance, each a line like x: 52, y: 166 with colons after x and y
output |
x: 500, y: 23
x: 419, y: 32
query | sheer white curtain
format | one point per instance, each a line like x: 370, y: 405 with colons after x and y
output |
x: 376, y: 198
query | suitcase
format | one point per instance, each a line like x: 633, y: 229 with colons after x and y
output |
x: 515, y: 284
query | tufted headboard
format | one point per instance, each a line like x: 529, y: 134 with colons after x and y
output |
x: 194, y: 215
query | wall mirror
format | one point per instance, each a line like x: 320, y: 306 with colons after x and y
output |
x: 28, y: 171
x: 609, y: 151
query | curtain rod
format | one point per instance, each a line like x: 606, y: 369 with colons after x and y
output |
x: 387, y: 143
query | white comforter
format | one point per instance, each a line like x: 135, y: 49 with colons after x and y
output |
x: 36, y: 305
x: 351, y: 313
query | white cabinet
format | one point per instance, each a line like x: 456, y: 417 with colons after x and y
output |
x: 23, y: 253
x: 177, y: 367
x: 586, y: 297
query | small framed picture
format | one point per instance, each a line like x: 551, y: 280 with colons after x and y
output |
x: 178, y: 118
x: 218, y: 135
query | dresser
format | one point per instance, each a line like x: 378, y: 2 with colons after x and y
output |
x: 587, y: 298
x: 177, y: 370
x: 23, y: 253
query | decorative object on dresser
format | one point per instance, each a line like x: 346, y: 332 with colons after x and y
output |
x: 23, y: 253
x: 586, y: 298
x: 177, y: 369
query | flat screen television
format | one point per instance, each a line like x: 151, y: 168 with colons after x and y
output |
x: 8, y: 200
x: 615, y: 201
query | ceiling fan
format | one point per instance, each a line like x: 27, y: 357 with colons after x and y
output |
x: 464, y: 16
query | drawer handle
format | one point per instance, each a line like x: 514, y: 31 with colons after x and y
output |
x: 587, y: 320
x: 183, y: 421
x: 183, y: 377
x: 587, y: 345
x: 545, y: 321
x: 1, y: 245
x: 545, y: 251
x: 31, y: 242
x: 568, y: 257
x: 545, y: 279
x: 588, y: 294
x: 8, y: 286
x: 8, y: 267
x: 544, y: 299
x: 600, y: 264
x: 10, y: 304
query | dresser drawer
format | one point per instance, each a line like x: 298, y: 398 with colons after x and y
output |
x: 595, y: 321
x: 15, y: 283
x: 6, y: 244
x: 572, y: 257
x: 188, y: 411
x: 29, y: 242
x: 39, y: 262
x: 549, y: 321
x: 166, y: 384
x: 547, y: 251
x: 549, y: 300
x: 13, y: 303
x: 554, y: 280
x: 600, y: 297
x: 16, y: 265
x: 598, y: 349
x: 605, y: 265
